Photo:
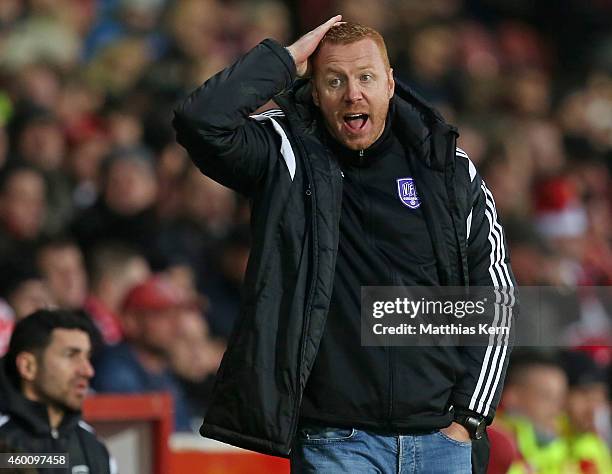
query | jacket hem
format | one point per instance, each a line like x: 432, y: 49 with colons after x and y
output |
x: 417, y: 424
x: 241, y: 440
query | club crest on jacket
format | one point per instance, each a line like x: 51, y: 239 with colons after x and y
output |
x: 407, y: 193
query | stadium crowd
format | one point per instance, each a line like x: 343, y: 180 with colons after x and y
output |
x: 102, y: 212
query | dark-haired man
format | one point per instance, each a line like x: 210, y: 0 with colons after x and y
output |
x: 355, y: 181
x: 47, y: 371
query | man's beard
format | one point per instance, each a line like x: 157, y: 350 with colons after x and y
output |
x: 52, y: 401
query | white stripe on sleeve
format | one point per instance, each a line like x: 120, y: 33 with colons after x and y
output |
x: 493, y: 362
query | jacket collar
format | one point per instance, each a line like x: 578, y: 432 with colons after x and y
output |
x: 34, y: 414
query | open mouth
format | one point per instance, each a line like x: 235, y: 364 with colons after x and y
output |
x: 355, y: 122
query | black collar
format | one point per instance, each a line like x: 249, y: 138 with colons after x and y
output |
x: 34, y: 414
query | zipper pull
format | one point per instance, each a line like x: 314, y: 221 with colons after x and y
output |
x: 308, y: 191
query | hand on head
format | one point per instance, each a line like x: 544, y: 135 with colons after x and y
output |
x: 303, y: 48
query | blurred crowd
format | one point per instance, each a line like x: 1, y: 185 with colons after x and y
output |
x: 101, y: 211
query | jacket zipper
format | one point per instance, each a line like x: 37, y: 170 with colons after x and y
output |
x: 453, y: 202
x: 315, y: 263
x: 391, y: 364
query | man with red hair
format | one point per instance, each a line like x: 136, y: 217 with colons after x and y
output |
x: 354, y: 181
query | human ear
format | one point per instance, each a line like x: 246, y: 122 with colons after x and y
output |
x: 27, y: 365
x: 391, y: 83
x: 315, y: 93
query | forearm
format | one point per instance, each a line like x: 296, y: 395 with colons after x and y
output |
x: 213, y: 125
x: 224, y: 102
x: 485, y: 365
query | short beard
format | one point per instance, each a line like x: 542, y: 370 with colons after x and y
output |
x: 51, y: 401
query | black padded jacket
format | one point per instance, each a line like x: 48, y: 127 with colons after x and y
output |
x: 24, y: 428
x: 294, y: 183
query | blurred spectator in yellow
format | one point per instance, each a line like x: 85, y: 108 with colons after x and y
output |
x: 532, y: 402
x: 587, y: 412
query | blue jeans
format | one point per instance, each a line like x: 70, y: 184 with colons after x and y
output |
x: 329, y: 450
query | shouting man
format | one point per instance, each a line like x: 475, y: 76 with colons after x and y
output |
x: 354, y: 181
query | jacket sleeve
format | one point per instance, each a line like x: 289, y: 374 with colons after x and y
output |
x: 479, y: 390
x: 213, y: 122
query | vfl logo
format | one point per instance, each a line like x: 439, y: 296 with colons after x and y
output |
x: 407, y: 193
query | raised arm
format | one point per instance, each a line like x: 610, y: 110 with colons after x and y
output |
x: 213, y: 122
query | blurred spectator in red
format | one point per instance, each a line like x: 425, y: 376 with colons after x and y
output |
x: 150, y: 316
x: 7, y: 322
x: 587, y: 412
x: 561, y: 218
x: 114, y: 269
x: 504, y: 456
x: 61, y: 265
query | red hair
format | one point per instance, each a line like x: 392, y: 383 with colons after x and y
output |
x: 347, y: 33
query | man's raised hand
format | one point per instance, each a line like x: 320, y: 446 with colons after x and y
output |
x: 306, y: 45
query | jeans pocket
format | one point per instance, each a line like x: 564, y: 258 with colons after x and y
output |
x: 467, y: 444
x: 325, y: 434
